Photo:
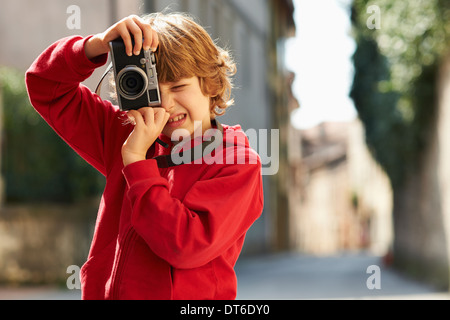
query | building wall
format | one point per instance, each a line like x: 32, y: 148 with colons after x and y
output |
x: 322, y: 221
x: 39, y: 243
x: 370, y: 187
x: 343, y: 199
x: 37, y: 24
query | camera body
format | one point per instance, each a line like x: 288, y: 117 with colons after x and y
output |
x: 136, y: 78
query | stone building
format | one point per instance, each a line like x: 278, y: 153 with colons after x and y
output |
x: 342, y: 199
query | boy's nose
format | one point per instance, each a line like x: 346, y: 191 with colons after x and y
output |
x: 167, y: 101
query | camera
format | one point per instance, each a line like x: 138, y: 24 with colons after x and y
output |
x: 136, y: 78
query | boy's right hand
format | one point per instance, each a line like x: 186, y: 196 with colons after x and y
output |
x: 132, y: 26
x: 148, y: 125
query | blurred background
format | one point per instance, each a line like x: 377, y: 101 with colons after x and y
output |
x: 359, y: 91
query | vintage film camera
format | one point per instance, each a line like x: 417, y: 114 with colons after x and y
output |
x: 136, y: 78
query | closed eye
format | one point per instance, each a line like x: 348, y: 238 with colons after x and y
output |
x: 178, y: 87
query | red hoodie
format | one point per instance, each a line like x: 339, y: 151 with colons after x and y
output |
x: 162, y: 232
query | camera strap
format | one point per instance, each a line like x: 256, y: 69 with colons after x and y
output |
x: 99, y: 86
x: 196, y: 153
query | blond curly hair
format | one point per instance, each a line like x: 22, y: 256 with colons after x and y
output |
x: 187, y: 50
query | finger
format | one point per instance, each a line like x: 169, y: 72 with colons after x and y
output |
x: 155, y: 41
x: 160, y: 116
x: 131, y: 120
x: 125, y: 35
x: 147, y: 33
x: 166, y: 117
x: 148, y: 115
x: 161, y: 119
x: 136, y: 31
x: 135, y: 117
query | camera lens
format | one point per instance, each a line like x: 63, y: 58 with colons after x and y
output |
x: 132, y: 82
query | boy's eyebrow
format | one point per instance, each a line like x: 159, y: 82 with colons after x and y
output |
x: 174, y: 84
x: 177, y: 83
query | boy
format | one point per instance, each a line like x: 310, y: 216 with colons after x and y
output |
x: 163, y: 231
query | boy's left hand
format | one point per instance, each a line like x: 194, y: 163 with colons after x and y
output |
x: 149, y: 123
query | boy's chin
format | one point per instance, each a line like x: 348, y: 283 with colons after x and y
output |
x: 179, y: 134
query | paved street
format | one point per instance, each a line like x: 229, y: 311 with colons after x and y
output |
x: 297, y: 277
x: 293, y: 277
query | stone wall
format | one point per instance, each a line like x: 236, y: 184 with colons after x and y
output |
x: 39, y: 242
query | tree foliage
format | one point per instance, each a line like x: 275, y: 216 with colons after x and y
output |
x: 396, y: 68
x: 37, y: 166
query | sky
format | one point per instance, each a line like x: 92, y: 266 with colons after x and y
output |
x: 320, y: 55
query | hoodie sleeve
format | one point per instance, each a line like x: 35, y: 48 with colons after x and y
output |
x: 214, y: 215
x: 76, y: 114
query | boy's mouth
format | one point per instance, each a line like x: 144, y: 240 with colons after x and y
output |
x: 177, y: 121
x: 177, y: 118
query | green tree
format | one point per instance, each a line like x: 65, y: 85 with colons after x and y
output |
x: 396, y: 70
x: 37, y: 165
